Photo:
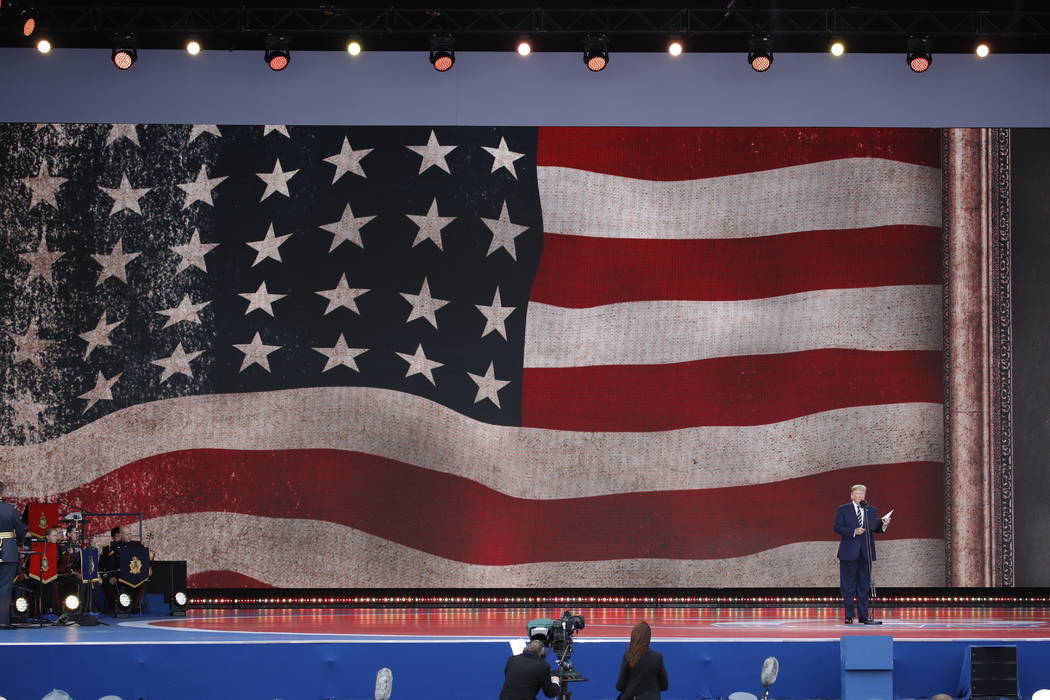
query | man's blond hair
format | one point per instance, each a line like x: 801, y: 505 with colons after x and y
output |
x: 857, y: 487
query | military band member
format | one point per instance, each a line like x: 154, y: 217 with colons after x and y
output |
x: 12, y: 531
x: 49, y: 591
x: 109, y: 565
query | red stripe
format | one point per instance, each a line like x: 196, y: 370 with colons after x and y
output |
x: 660, y: 153
x: 223, y: 579
x: 462, y: 520
x: 583, y: 271
x: 744, y: 390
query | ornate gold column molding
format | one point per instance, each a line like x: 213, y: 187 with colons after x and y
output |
x: 978, y: 443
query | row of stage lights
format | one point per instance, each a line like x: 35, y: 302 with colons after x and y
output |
x: 278, y: 55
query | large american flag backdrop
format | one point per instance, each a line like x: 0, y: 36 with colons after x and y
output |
x: 477, y: 357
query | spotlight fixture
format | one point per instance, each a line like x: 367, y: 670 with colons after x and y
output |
x: 125, y: 51
x: 760, y: 53
x: 193, y: 47
x: 353, y: 47
x: 982, y: 50
x: 123, y: 604
x: 524, y: 46
x: 919, y: 56
x: 29, y: 26
x: 675, y: 47
x: 277, y: 55
x: 596, y: 52
x: 837, y: 48
x: 71, y: 603
x: 20, y: 605
x: 442, y: 52
x: 178, y: 604
x: 43, y: 46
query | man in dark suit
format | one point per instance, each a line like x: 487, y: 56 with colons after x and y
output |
x: 12, y: 531
x: 856, y: 525
x: 527, y: 673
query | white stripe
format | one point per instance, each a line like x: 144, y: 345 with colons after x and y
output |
x: 522, y: 462
x: 308, y: 553
x: 835, y: 194
x: 659, y: 332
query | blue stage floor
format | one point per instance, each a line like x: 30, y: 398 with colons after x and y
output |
x: 459, y: 654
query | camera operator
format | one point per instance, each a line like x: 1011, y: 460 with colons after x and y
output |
x: 528, y: 673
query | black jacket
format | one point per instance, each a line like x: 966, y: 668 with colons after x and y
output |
x: 524, y: 676
x: 10, y: 521
x: 644, y: 681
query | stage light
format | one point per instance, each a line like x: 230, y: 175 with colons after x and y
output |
x: 675, y: 48
x: 596, y: 52
x: 43, y: 46
x: 71, y: 603
x: 1043, y: 694
x: 353, y: 48
x: 838, y: 48
x: 193, y: 47
x: 124, y: 58
x: 29, y: 26
x: 982, y: 50
x: 524, y: 47
x: 442, y: 52
x: 277, y: 55
x: 760, y: 53
x: 125, y: 52
x: 21, y: 605
x: 919, y: 56
x: 178, y: 604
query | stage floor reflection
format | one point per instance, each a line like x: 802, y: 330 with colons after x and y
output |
x: 669, y: 624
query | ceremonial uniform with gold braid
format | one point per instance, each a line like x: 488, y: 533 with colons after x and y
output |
x: 12, y: 530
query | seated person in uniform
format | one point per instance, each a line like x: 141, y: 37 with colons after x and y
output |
x: 109, y: 565
x: 49, y: 591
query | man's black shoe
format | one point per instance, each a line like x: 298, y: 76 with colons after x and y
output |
x: 849, y: 620
x: 871, y: 622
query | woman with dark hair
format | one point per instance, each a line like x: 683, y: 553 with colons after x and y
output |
x: 642, y: 673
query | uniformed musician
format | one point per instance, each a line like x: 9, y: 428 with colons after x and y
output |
x: 12, y: 531
x: 109, y: 563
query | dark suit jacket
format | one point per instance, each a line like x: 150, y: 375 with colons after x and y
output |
x: 644, y: 681
x: 11, y: 521
x: 853, y: 547
x: 525, y: 675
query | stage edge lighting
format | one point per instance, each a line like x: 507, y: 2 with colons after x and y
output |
x: 596, y: 52
x: 442, y: 52
x: 353, y: 47
x: 982, y: 50
x: 193, y: 47
x: 760, y: 53
x: 524, y: 47
x: 837, y: 48
x: 675, y: 47
x: 277, y: 55
x: 43, y: 46
x: 919, y: 56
